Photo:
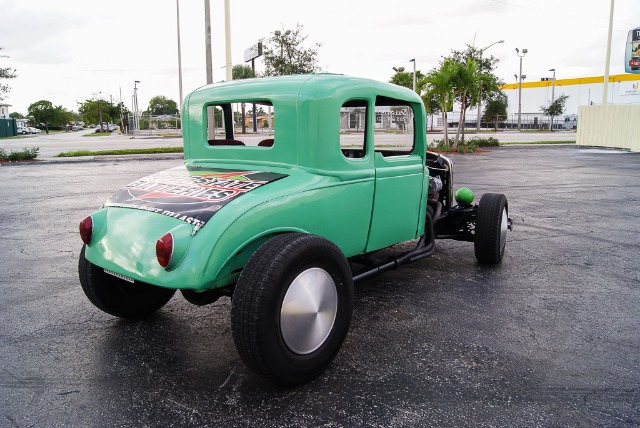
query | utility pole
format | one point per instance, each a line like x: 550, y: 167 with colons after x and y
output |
x: 207, y: 35
x: 227, y: 40
x: 179, y: 54
x: 605, y: 86
x: 208, y: 59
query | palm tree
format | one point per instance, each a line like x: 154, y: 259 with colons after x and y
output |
x: 439, y: 84
x: 469, y: 81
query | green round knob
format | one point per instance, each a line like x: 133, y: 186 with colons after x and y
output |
x: 464, y: 196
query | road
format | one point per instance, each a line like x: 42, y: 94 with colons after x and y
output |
x: 548, y: 338
x: 58, y: 142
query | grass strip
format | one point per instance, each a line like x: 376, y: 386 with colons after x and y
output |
x: 149, y: 151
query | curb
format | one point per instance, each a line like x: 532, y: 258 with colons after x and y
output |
x: 107, y: 158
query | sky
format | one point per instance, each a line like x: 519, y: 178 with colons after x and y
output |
x: 71, y: 51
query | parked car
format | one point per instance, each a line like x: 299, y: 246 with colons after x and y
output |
x: 634, y: 63
x: 24, y: 130
x: 286, y: 225
x: 106, y: 127
x: 34, y: 130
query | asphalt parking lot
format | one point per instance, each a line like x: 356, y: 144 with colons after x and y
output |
x: 548, y: 338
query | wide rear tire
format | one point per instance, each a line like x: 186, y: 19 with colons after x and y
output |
x: 491, y: 228
x: 118, y: 297
x: 291, y: 307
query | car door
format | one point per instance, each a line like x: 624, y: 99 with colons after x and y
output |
x: 399, y: 175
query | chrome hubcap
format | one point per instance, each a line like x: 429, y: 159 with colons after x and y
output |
x: 308, y: 311
x: 503, y: 228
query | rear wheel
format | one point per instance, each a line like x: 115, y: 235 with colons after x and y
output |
x: 118, y: 297
x: 491, y: 228
x: 292, y: 307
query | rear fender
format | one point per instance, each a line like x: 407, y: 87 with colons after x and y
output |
x: 232, y: 267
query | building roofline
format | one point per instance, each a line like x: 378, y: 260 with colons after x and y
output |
x: 575, y: 81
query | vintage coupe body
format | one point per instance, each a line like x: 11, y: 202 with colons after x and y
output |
x: 276, y: 219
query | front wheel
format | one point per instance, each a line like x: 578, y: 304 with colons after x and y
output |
x: 118, y: 297
x: 291, y: 307
x: 492, y: 222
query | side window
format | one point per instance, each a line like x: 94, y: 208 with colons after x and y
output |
x: 233, y: 124
x: 394, y: 127
x: 353, y: 127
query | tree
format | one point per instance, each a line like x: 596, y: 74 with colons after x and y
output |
x: 496, y: 110
x: 284, y: 55
x: 16, y: 115
x: 439, y: 84
x: 556, y: 108
x: 161, y: 105
x: 405, y: 78
x: 468, y: 84
x: 431, y: 105
x: 489, y: 88
x: 44, y: 112
x: 241, y: 71
x: 99, y: 111
x: 6, y: 73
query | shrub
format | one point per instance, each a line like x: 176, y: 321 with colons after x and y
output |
x: 469, y: 146
x: 463, y: 146
x: 485, y: 142
x: 24, y: 154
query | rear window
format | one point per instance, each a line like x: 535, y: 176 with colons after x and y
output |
x: 394, y: 127
x: 241, y: 124
x: 353, y: 127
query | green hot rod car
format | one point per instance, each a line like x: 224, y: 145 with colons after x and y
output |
x: 276, y: 219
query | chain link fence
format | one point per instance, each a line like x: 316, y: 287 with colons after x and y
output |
x: 163, y: 125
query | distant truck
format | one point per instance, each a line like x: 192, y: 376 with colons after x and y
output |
x: 570, y: 121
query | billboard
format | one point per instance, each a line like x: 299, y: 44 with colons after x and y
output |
x: 632, y: 53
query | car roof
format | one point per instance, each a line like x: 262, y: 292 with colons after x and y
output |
x: 306, y: 103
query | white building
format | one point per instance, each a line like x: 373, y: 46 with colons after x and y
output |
x: 623, y: 89
x: 4, y: 110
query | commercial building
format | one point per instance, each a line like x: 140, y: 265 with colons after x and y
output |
x: 623, y: 89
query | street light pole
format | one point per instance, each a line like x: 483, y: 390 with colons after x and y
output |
x: 278, y: 33
x: 136, y: 119
x: 524, y: 52
x: 480, y: 95
x: 413, y: 60
x: 553, y: 85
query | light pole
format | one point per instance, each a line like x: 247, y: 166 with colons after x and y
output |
x: 136, y: 119
x: 480, y: 95
x: 524, y: 52
x: 413, y: 60
x: 553, y: 89
x: 278, y: 33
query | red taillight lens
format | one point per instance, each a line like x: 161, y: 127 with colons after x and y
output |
x: 86, y: 230
x: 164, y: 249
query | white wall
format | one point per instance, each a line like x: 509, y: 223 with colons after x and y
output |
x: 609, y: 126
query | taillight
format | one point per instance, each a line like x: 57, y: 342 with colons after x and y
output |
x: 86, y: 230
x: 164, y: 249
